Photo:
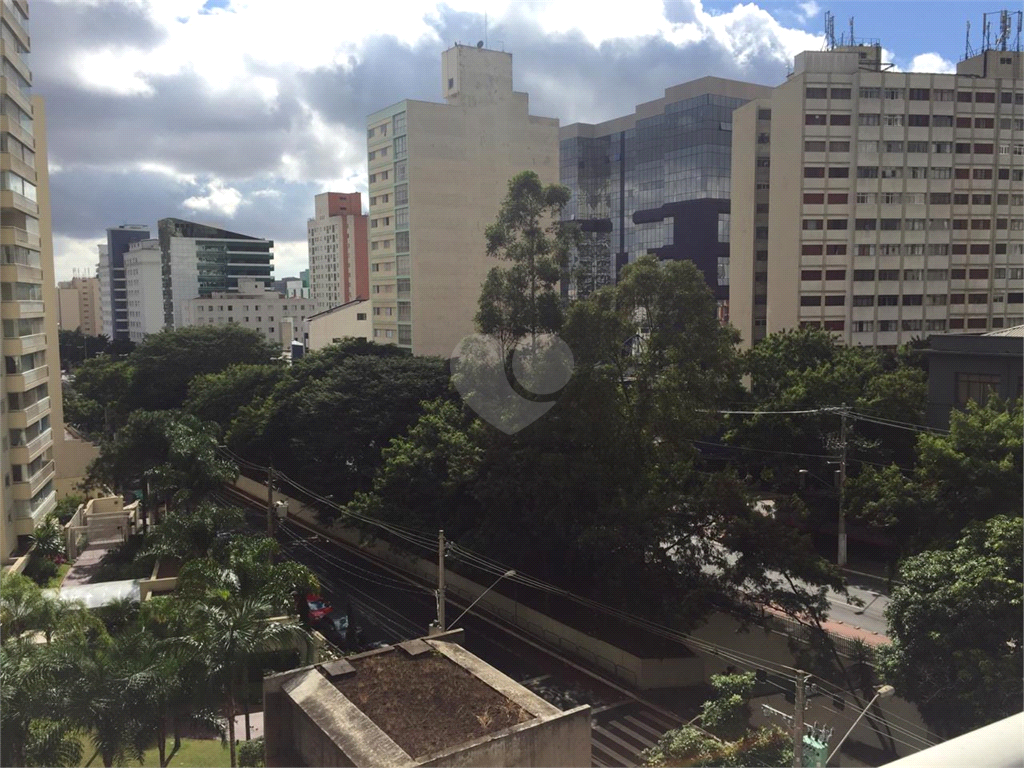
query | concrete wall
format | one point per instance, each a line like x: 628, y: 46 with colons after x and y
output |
x: 562, y: 740
x: 73, y: 457
x: 352, y: 321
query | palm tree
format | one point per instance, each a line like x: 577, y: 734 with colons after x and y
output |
x: 53, y: 744
x: 25, y: 684
x: 231, y: 631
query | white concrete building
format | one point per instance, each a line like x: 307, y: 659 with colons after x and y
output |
x: 144, y: 289
x: 106, y: 307
x: 350, y: 320
x: 251, y: 306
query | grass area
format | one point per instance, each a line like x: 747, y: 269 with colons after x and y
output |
x: 194, y: 753
x: 58, y: 577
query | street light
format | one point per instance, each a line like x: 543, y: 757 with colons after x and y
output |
x: 504, y: 575
x: 885, y: 692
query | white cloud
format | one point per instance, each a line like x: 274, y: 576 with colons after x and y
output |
x: 274, y: 193
x: 218, y: 198
x: 71, y: 254
x: 809, y: 9
x: 290, y: 257
x: 932, y: 62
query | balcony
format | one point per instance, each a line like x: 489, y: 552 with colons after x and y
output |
x: 21, y: 419
x: 9, y: 88
x: 26, y: 518
x: 22, y: 382
x: 13, y: 127
x: 11, y: 53
x: 23, y: 454
x: 13, y: 19
x: 9, y: 162
x: 12, y: 310
x: 11, y: 199
x: 25, y: 344
x: 24, y: 491
x: 20, y: 273
x: 15, y: 236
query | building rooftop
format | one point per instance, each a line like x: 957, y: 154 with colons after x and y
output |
x: 426, y: 701
x: 1017, y: 330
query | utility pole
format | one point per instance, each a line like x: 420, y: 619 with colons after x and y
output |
x: 440, y: 580
x: 270, y: 502
x: 841, y: 559
x: 798, y: 721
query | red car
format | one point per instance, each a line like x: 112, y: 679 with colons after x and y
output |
x: 313, y: 608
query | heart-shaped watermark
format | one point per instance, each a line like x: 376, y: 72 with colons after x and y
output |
x: 511, y: 388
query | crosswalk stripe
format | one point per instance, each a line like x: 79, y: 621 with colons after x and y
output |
x: 658, y: 719
x: 653, y: 731
x: 617, y: 759
x: 622, y: 742
x: 645, y: 740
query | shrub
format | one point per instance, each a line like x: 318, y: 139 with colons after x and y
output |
x: 250, y: 753
x: 40, y: 569
x: 67, y: 507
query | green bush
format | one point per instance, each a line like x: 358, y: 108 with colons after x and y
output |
x: 40, y: 569
x: 67, y: 507
x: 250, y: 753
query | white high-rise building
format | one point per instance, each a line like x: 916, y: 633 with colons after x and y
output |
x: 144, y: 283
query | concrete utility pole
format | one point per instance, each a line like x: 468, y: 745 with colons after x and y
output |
x: 798, y: 721
x: 270, y: 502
x: 841, y: 559
x: 440, y: 580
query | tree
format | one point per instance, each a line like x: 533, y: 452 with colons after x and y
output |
x: 166, y: 362
x: 187, y: 534
x: 971, y: 474
x: 727, y: 739
x: 230, y: 632
x: 217, y: 397
x: 522, y: 299
x: 955, y: 627
x: 48, y: 538
x: 95, y: 401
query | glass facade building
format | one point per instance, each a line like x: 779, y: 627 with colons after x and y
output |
x: 656, y: 182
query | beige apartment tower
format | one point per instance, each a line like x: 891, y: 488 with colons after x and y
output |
x: 880, y: 205
x: 338, y: 268
x: 438, y: 174
x: 79, y: 303
x: 30, y: 411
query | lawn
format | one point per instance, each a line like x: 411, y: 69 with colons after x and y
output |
x: 194, y: 753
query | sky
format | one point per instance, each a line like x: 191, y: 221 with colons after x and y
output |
x: 237, y: 112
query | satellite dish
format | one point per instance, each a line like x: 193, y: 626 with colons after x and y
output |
x: 480, y: 44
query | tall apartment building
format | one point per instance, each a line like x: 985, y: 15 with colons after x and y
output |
x: 198, y: 259
x: 30, y: 408
x: 106, y: 305
x: 280, y: 318
x: 78, y: 300
x: 880, y: 205
x: 143, y: 273
x: 656, y: 182
x: 119, y: 240
x: 338, y: 265
x: 438, y: 175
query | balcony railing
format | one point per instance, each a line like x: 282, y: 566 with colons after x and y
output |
x: 36, y: 481
x: 37, y: 409
x: 19, y: 236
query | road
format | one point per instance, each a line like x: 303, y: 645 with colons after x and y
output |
x: 391, y: 608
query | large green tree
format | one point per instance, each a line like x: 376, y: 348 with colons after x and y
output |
x: 972, y: 473
x: 957, y: 646
x: 165, y: 363
x: 217, y: 397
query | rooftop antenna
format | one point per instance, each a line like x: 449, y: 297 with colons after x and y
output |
x: 1004, y: 30
x: 968, y: 51
x: 986, y: 28
x: 852, y: 41
x: 1020, y: 22
x: 830, y: 30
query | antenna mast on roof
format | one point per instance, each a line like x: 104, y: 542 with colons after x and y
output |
x: 968, y: 51
x: 852, y: 40
x: 986, y: 28
x: 830, y: 31
x: 1004, y: 30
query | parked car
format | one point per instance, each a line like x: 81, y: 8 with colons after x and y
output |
x: 313, y: 608
x: 335, y: 627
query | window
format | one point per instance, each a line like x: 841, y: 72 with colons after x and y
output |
x: 891, y: 225
x: 985, y: 97
x: 813, y: 224
x: 871, y: 93
x: 839, y: 146
x: 887, y: 325
x: 892, y: 172
x: 814, y: 198
x: 866, y: 225
x: 964, y: 97
x: 867, y: 197
x: 940, y: 173
x: 836, y: 300
x: 867, y: 171
x: 835, y: 325
x: 920, y: 94
x: 867, y: 147
x: 761, y: 233
x: 918, y: 121
x: 942, y: 94
x: 810, y: 274
x: 915, y: 224
x: 815, y: 119
x: 838, y: 198
x: 400, y: 150
x: 864, y: 275
x: 983, y: 149
x: 838, y: 172
x: 814, y: 172
x: 810, y: 301
x: 836, y: 249
x: 981, y: 223
x: 814, y: 146
x: 840, y: 93
x: 917, y: 147
x: 869, y: 119
x: 764, y: 114
x: 913, y: 274
x: 975, y: 386
x: 816, y: 93
x: 888, y: 300
x: 942, y: 121
x: 912, y: 300
x: 838, y: 224
x: 893, y: 93
x: 984, y: 122
x: 863, y: 301
x: 888, y: 274
x: 863, y: 326
x: 840, y: 120
x: 811, y: 249
x: 893, y: 120
x: 835, y: 274
x: 939, y: 198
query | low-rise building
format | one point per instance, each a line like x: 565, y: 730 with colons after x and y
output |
x: 351, y: 320
x: 251, y: 306
x: 423, y: 702
x: 963, y: 367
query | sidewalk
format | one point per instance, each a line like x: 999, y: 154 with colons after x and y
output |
x: 87, y: 563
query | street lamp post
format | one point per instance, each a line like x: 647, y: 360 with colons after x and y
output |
x: 504, y: 575
x: 885, y: 692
